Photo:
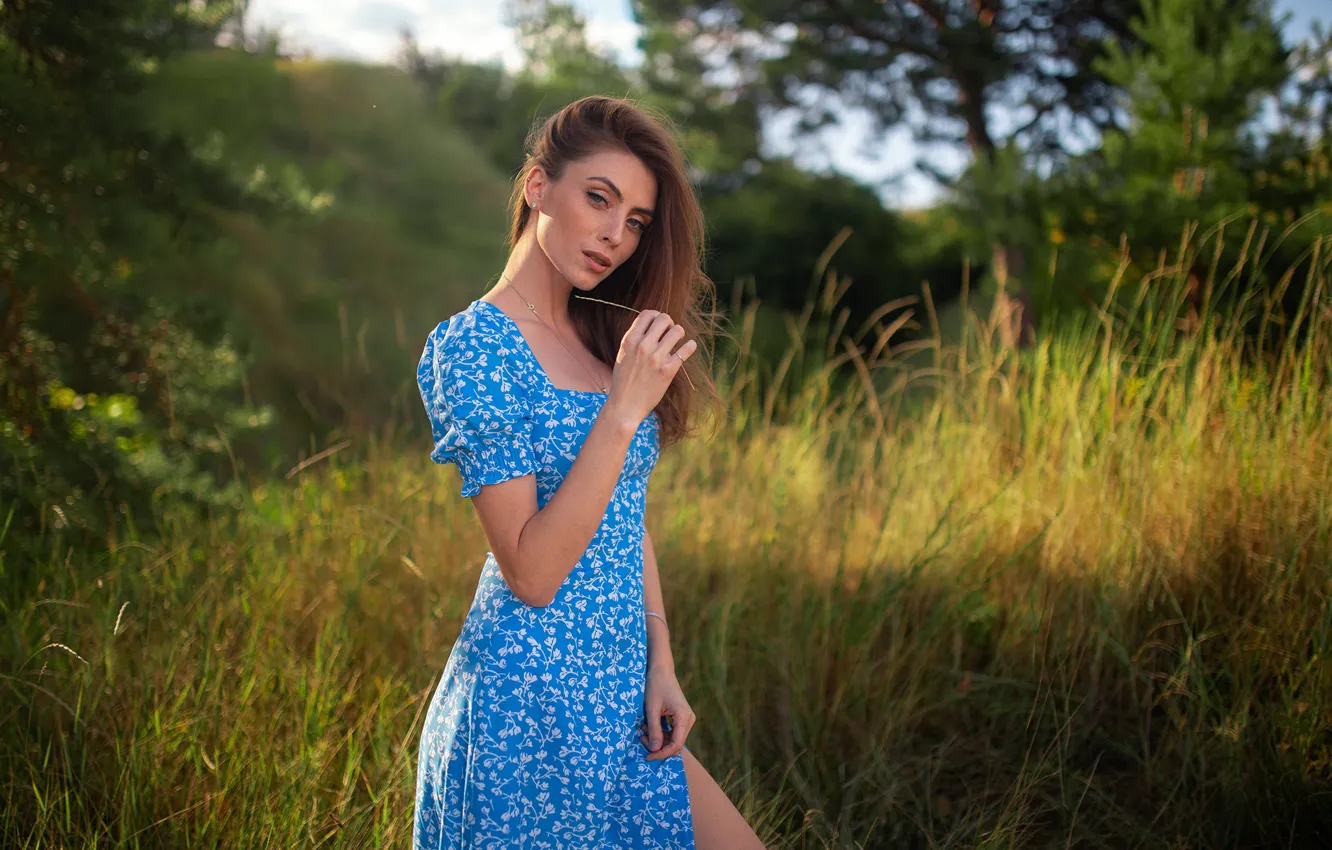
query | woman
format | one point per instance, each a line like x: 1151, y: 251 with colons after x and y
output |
x: 559, y: 721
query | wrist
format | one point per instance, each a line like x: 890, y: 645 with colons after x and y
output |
x: 661, y: 661
x: 659, y: 645
x: 622, y: 420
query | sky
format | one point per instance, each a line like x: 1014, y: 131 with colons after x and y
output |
x: 368, y: 30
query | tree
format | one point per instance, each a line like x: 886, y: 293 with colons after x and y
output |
x: 554, y: 41
x: 496, y: 108
x: 1222, y: 125
x: 118, y: 383
x: 1193, y: 86
x: 945, y: 68
x: 721, y: 117
x: 427, y: 69
x: 776, y: 224
x: 1307, y: 110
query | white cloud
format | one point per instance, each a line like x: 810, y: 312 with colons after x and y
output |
x: 619, y: 36
x: 473, y: 29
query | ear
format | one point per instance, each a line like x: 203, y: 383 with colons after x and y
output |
x: 534, y: 186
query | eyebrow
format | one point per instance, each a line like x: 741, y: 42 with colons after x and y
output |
x: 620, y: 195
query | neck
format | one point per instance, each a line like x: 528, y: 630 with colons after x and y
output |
x: 536, y: 281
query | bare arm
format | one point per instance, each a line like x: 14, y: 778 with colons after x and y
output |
x: 659, y: 645
x: 537, y: 549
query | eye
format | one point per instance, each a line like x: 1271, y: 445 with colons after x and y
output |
x: 640, y: 225
x: 595, y: 196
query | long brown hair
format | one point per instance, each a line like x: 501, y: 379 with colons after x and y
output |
x: 665, y: 272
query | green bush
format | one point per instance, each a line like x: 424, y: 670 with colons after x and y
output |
x: 121, y: 384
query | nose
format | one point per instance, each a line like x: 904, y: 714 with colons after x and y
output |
x: 613, y: 233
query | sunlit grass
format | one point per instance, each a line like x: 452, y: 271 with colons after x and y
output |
x: 1072, y: 596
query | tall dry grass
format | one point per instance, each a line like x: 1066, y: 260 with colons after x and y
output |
x: 1073, y: 596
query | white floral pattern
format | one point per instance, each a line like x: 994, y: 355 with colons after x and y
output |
x: 532, y: 737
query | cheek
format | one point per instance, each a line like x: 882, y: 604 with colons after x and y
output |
x: 631, y: 244
x: 548, y: 238
x: 568, y: 223
x: 558, y: 241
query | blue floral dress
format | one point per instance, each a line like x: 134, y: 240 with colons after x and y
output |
x: 532, y: 737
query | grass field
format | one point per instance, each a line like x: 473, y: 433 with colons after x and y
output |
x: 1077, y: 598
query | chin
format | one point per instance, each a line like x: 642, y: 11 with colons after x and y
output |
x: 588, y: 279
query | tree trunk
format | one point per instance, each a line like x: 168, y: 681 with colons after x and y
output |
x: 1013, y: 305
x: 1012, y: 310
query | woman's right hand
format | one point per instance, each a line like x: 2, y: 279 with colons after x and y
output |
x: 646, y: 364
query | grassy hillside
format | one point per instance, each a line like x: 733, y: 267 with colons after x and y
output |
x: 335, y: 305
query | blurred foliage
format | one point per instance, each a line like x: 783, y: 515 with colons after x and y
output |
x: 944, y: 68
x: 1132, y: 123
x: 1193, y: 87
x: 409, y: 226
x: 198, y: 245
x: 121, y: 383
x: 1197, y: 154
x: 775, y: 224
x: 1222, y: 130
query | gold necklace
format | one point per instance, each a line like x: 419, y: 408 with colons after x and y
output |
x: 532, y: 307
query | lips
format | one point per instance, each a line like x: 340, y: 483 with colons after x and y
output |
x: 598, y: 261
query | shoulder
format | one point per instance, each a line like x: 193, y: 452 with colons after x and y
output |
x: 470, y: 327
x: 466, y: 334
x: 474, y: 346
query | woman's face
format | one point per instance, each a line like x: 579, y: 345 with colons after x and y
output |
x: 592, y: 219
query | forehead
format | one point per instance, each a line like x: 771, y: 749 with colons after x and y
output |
x: 625, y: 170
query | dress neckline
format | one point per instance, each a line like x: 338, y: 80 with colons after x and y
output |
x: 522, y: 340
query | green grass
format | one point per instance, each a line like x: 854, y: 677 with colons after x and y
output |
x: 1074, y: 599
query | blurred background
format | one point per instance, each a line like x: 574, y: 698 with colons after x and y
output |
x: 1027, y: 316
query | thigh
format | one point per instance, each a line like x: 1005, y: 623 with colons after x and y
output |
x: 718, y: 825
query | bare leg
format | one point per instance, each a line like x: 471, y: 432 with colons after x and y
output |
x: 718, y: 825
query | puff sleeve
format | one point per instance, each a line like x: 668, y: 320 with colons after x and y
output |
x: 480, y: 417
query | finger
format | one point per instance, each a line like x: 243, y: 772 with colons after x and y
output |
x: 654, y: 736
x: 664, y: 724
x: 685, y: 725
x: 638, y: 328
x: 682, y: 353
x: 661, y: 323
x: 674, y: 744
x: 669, y: 339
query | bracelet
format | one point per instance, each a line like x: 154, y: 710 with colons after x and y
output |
x: 659, y: 617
